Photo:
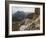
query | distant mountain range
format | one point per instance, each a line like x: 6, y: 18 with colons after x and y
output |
x: 20, y: 15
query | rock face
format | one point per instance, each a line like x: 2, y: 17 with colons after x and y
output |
x: 23, y: 27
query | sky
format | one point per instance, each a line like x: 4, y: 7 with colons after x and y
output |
x: 25, y: 9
